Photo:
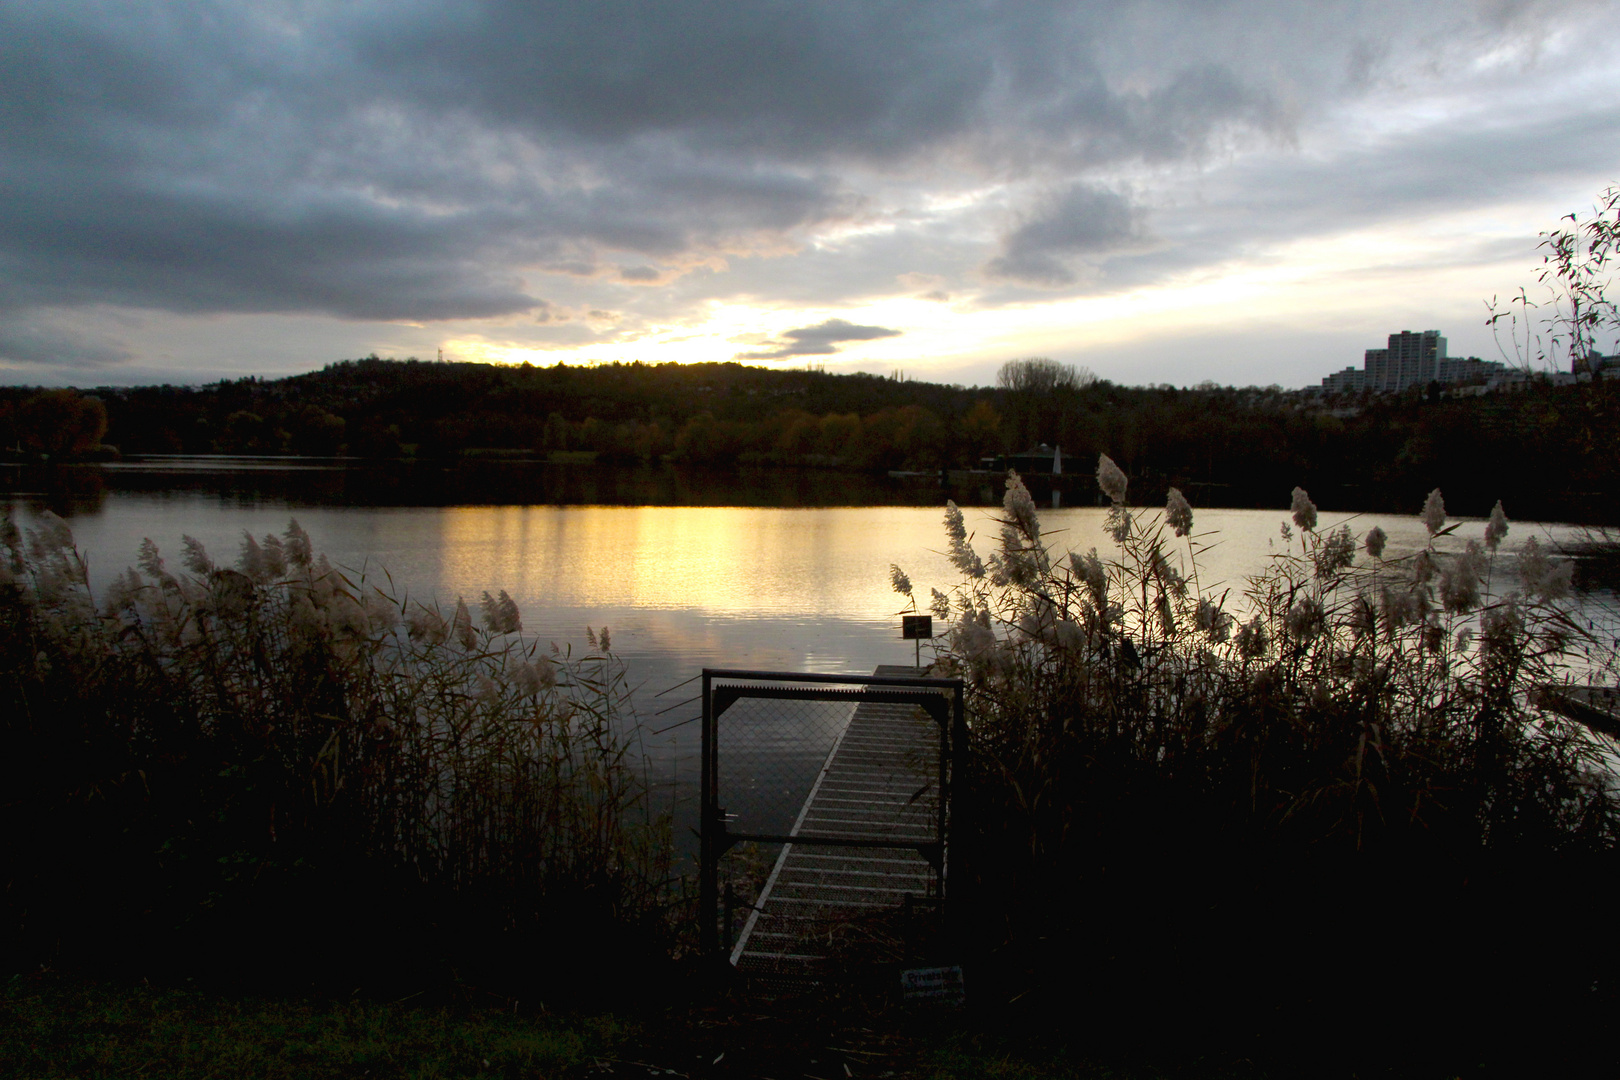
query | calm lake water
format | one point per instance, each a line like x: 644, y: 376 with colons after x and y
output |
x: 682, y: 586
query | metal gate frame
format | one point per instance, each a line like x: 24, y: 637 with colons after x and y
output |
x: 942, y: 699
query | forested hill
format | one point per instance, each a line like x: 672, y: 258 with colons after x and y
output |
x: 1546, y: 452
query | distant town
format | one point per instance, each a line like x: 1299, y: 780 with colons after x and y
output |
x: 1419, y: 359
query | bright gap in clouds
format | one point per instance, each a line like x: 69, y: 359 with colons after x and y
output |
x: 1366, y: 280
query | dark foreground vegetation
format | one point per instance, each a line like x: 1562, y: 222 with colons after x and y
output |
x: 1326, y: 825
x: 55, y: 1025
x: 1552, y: 447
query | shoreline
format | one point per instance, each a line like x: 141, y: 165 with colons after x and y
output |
x: 580, y: 479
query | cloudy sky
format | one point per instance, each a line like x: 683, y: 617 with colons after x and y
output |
x: 1249, y: 191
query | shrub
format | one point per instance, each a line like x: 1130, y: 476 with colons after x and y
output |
x: 281, y: 763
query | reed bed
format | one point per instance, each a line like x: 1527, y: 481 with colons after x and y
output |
x: 280, y: 764
x: 1332, y: 796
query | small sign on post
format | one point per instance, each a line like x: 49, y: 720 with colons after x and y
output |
x: 942, y: 984
x: 916, y: 628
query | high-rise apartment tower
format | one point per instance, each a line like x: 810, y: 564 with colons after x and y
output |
x: 1410, y: 360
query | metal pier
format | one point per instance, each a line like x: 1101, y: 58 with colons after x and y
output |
x: 868, y: 840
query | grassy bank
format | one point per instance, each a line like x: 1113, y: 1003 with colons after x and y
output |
x: 57, y: 1026
x: 54, y: 1025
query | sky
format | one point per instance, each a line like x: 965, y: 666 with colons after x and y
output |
x: 1163, y: 191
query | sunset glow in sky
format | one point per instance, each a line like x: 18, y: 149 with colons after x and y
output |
x: 1160, y: 190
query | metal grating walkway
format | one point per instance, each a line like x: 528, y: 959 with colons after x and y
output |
x: 880, y: 782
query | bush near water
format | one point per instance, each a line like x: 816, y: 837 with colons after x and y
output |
x: 1331, y: 803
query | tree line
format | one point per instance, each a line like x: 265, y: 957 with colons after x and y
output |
x: 1551, y: 449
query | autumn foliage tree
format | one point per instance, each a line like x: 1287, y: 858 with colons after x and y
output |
x: 55, y: 423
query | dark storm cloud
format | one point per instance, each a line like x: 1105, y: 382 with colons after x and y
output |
x: 797, y: 80
x: 405, y: 162
x: 839, y: 81
x: 1178, y: 120
x: 821, y: 339
x: 1084, y: 221
x: 88, y: 240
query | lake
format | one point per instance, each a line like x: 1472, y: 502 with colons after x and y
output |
x: 719, y: 578
x: 684, y: 585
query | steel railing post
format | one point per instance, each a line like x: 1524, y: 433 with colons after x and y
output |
x: 708, y: 843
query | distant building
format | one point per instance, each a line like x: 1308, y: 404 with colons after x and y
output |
x: 1410, y: 359
x: 1595, y: 363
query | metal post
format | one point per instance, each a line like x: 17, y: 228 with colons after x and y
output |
x: 940, y: 826
x: 958, y: 797
x: 728, y: 913
x: 708, y: 854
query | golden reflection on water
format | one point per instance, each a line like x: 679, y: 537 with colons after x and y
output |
x: 725, y: 560
x: 743, y: 561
